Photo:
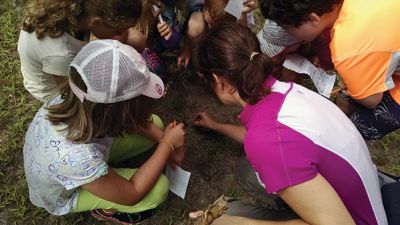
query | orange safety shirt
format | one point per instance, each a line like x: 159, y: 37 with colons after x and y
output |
x: 365, y: 47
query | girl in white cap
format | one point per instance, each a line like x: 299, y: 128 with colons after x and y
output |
x: 103, y: 115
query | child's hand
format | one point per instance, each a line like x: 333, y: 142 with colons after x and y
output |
x: 249, y: 5
x: 204, y: 119
x: 315, y: 61
x: 165, y: 30
x: 177, y: 157
x: 343, y: 88
x: 184, y: 56
x: 175, y: 135
x: 161, y: 7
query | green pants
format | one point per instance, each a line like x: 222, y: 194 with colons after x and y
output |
x: 128, y: 146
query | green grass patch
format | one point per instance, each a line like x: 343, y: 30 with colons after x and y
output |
x: 16, y: 111
x: 385, y: 153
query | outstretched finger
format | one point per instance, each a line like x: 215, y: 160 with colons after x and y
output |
x: 172, y: 164
x: 196, y: 214
x: 186, y: 62
x: 163, y: 27
x: 197, y: 118
x: 165, y: 33
x: 171, y: 125
x: 181, y: 125
x: 179, y: 63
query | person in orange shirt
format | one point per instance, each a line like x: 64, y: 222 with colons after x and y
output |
x: 365, y: 49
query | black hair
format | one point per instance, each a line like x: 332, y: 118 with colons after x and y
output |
x: 295, y: 12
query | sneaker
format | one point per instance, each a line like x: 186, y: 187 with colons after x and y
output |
x: 154, y: 63
x: 122, y: 217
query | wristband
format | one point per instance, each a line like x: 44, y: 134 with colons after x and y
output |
x: 168, y: 142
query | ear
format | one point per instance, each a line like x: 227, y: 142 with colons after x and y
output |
x: 216, y: 78
x: 314, y: 19
x: 219, y: 83
x: 94, y: 21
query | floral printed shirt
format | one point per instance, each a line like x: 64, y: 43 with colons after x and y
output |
x: 55, y: 167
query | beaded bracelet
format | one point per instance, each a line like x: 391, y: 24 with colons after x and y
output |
x: 168, y: 142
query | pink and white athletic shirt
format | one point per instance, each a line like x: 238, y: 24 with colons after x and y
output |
x: 293, y: 134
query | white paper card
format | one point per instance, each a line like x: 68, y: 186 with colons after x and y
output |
x: 322, y: 81
x: 250, y: 20
x: 235, y: 8
x: 178, y: 180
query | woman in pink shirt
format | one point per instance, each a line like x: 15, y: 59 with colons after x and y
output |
x: 300, y: 145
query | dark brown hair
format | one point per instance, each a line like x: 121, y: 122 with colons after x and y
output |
x: 216, y: 9
x: 87, y: 120
x: 295, y: 12
x: 225, y: 51
x: 54, y: 17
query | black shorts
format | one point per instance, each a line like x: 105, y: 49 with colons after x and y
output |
x: 376, y: 123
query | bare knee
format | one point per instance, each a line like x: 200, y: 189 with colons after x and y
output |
x: 196, y: 25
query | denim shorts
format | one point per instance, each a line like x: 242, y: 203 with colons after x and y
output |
x: 376, y: 123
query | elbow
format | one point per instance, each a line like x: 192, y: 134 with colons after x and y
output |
x: 128, y: 195
x: 133, y: 197
x: 372, y: 101
x: 196, y: 25
x: 158, y: 193
x: 372, y: 105
x: 132, y: 201
x: 368, y: 104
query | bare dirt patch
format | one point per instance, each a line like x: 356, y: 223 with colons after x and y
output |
x: 210, y: 157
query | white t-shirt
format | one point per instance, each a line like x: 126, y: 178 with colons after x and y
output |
x: 43, y: 58
x: 55, y: 167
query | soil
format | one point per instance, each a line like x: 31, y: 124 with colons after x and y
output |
x: 210, y: 157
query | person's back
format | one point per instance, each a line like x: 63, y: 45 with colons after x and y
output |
x: 50, y: 160
x: 41, y: 59
x: 293, y: 134
x: 53, y: 32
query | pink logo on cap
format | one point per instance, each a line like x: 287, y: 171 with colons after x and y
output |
x: 159, y: 89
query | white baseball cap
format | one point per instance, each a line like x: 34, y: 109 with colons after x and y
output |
x: 274, y: 39
x: 113, y: 72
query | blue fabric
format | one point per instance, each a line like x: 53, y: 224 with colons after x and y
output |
x: 391, y: 201
x: 376, y: 123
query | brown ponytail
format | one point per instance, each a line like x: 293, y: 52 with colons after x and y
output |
x: 225, y: 51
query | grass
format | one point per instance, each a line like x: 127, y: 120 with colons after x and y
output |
x: 17, y: 108
x: 385, y: 153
